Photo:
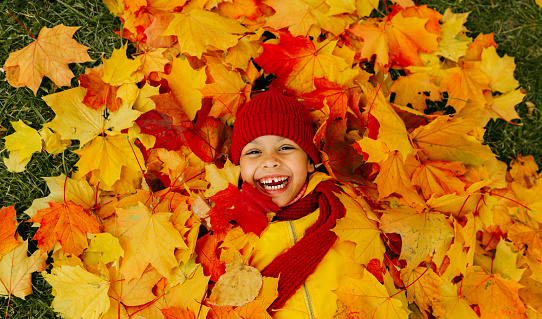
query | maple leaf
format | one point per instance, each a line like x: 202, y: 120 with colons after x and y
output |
x: 119, y: 69
x: 299, y: 16
x: 198, y: 30
x: 411, y: 90
x: 176, y: 313
x: 465, y: 84
x: 98, y: 93
x: 185, y: 83
x: 247, y: 207
x: 147, y: 238
x: 106, y: 156
x: 389, y: 127
x: 104, y: 248
x: 338, y: 155
x: 8, y: 229
x: 439, y: 178
x: 219, y: 179
x: 65, y: 188
x: 499, y: 70
x: 446, y: 139
x: 358, y: 228
x: 399, y: 38
x: 78, y: 293
x: 208, y: 136
x: 298, y: 61
x: 453, y: 44
x: 136, y: 291
x: 16, y: 270
x: 423, y: 288
x: 49, y: 56
x: 456, y: 306
x: 74, y: 120
x: 395, y: 177
x: 228, y: 91
x: 368, y: 298
x: 495, y: 295
x: 66, y: 223
x: 21, y: 145
x: 153, y: 61
x: 334, y: 95
x: 422, y: 234
x: 161, y: 126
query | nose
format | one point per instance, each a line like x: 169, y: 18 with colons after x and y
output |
x: 270, y: 161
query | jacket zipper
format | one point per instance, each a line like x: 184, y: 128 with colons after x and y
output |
x: 308, y: 303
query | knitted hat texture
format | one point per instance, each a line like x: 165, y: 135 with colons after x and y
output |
x: 273, y: 113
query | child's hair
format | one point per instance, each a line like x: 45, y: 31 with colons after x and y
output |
x: 273, y: 113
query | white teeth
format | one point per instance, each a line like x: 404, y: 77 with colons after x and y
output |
x: 273, y: 180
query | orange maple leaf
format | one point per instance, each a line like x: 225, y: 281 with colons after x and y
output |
x: 298, y: 61
x: 176, y: 313
x: 98, y: 92
x: 496, y: 296
x: 8, y: 228
x: 48, y: 56
x: 66, y: 223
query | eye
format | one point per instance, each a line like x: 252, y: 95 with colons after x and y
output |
x: 286, y: 148
x: 251, y: 152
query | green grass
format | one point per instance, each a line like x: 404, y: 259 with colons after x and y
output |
x: 516, y: 24
x: 517, y: 28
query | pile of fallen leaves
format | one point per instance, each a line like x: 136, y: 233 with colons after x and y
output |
x: 400, y: 101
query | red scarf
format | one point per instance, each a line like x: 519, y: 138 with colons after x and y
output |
x: 298, y: 262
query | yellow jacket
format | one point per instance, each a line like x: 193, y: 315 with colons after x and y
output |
x: 315, y: 298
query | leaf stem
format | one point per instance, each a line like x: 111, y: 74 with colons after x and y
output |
x: 21, y: 24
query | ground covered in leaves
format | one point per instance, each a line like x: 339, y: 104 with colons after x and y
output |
x: 484, y: 228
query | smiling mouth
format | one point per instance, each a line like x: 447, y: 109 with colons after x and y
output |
x: 274, y: 183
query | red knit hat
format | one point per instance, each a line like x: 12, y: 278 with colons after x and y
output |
x: 273, y: 113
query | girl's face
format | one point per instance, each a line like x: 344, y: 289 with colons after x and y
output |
x: 276, y: 166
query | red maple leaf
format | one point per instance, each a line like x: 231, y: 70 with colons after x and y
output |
x: 335, y: 95
x: 206, y: 248
x: 161, y: 126
x: 247, y: 207
x: 98, y: 92
x: 208, y: 135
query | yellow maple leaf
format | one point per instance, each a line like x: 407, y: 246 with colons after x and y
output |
x: 506, y: 261
x: 299, y: 16
x: 446, y: 139
x: 147, y: 238
x: 376, y: 150
x: 391, y: 128
x: 153, y: 61
x: 104, y: 248
x: 358, y: 228
x: 185, y: 83
x: 78, y: 293
x: 423, y: 289
x: 119, y: 69
x: 105, y: 156
x: 239, y: 55
x: 423, y: 234
x: 456, y: 306
x: 53, y: 142
x: 368, y: 298
x: 411, y: 90
x: 499, y: 70
x: 219, y: 178
x: 453, y: 44
x: 16, y: 270
x: 62, y: 187
x: 25, y: 140
x: 465, y: 84
x: 74, y: 120
x: 198, y: 30
x: 48, y: 56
